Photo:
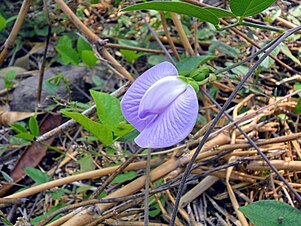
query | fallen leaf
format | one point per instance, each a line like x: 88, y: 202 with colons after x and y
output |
x: 34, y: 153
x: 9, y: 117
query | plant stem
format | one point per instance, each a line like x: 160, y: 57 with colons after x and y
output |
x: 8, y: 45
x: 147, y: 183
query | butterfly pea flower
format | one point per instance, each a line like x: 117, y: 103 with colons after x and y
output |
x: 161, y: 106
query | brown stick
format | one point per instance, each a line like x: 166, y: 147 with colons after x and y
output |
x: 85, y: 216
x: 169, y: 39
x: 8, y: 45
x: 70, y: 179
x: 182, y: 34
x: 279, y: 164
x: 92, y: 38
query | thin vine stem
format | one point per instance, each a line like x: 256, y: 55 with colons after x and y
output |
x: 147, y: 183
x: 220, y: 113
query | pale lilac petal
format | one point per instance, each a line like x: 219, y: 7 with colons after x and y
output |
x: 173, y: 124
x: 131, y: 100
x: 161, y: 94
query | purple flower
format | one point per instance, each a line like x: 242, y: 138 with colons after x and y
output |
x: 161, y: 106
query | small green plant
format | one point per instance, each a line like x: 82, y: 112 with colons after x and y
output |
x: 112, y: 125
x: 70, y: 55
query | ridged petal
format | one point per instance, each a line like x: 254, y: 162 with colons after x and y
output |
x: 160, y: 95
x: 173, y: 124
x: 131, y: 100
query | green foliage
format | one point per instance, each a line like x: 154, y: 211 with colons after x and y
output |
x: 38, y: 176
x: 108, y: 109
x: 297, y: 86
x: 59, y: 193
x: 223, y: 48
x: 89, y: 58
x: 288, y: 53
x: 272, y: 213
x: 52, y: 84
x: 9, y: 78
x: 23, y: 133
x: 130, y: 55
x: 68, y: 54
x: 124, y: 177
x: 247, y: 8
x: 155, y: 59
x: 210, y: 15
x: 86, y: 164
x: 43, y: 216
x: 155, y: 208
x: 34, y: 126
x: 298, y: 106
x: 18, y: 128
x: 25, y: 136
x: 110, y: 115
x: 100, y: 131
x: 189, y: 64
x: 2, y: 22
x: 82, y: 45
x: 7, y: 177
x: 269, y: 62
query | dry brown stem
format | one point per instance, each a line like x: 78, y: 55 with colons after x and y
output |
x: 86, y: 216
x: 279, y: 164
x: 8, y: 45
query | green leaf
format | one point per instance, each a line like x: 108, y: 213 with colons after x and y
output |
x: 130, y: 136
x: 155, y: 208
x: 18, y: 128
x: 268, y: 62
x: 2, y: 22
x: 189, y: 64
x: 82, y: 45
x: 65, y: 41
x: 38, y: 176
x: 155, y: 59
x: 297, y: 86
x: 124, y: 177
x: 43, y: 216
x: 68, y: 54
x: 34, y: 126
x: 178, y: 7
x: 100, y: 131
x: 298, y: 107
x: 246, y: 8
x: 223, y: 48
x: 25, y: 136
x: 9, y: 78
x: 288, y: 53
x: 123, y: 129
x: 7, y: 177
x: 271, y: 213
x: 59, y: 193
x: 219, y: 13
x: 86, y: 164
x: 239, y: 70
x: 108, y: 109
x: 89, y: 58
x: 131, y: 55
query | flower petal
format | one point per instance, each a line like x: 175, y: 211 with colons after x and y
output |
x: 131, y: 100
x: 173, y: 124
x: 159, y: 96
